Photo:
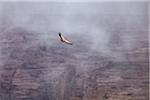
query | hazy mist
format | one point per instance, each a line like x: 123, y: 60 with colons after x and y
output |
x: 108, y: 27
x: 108, y: 58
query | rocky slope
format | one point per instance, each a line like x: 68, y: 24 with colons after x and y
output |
x: 32, y: 70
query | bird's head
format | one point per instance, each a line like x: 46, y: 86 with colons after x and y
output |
x: 59, y: 33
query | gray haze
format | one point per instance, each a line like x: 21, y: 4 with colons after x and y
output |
x: 102, y: 22
x: 109, y: 55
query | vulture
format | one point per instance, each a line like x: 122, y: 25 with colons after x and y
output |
x: 64, y: 40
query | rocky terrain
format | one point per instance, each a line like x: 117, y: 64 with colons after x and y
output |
x: 34, y: 71
x: 109, y: 58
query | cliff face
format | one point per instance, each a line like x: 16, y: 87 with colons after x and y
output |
x: 107, y: 61
x: 31, y: 70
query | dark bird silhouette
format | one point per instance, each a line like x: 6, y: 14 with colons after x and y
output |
x: 64, y: 40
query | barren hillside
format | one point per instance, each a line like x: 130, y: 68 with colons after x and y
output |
x: 109, y: 58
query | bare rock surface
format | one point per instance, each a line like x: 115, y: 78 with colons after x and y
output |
x: 34, y: 71
x: 109, y: 58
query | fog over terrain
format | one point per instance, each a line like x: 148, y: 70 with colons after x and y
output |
x: 99, y: 23
x: 109, y: 52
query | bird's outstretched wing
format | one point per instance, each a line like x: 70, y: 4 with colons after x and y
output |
x: 63, y: 39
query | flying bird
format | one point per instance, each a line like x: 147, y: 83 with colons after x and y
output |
x: 64, y: 40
